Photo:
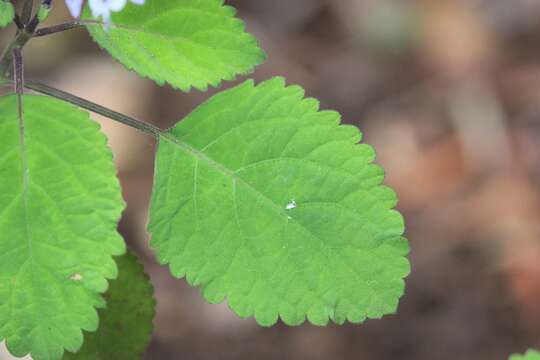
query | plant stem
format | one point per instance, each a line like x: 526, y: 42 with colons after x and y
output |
x: 19, y: 71
x: 27, y: 26
x: 23, y: 35
x: 7, y: 56
x: 19, y: 89
x: 98, y: 109
x: 75, y: 24
x: 19, y: 82
x: 18, y: 22
x: 27, y: 11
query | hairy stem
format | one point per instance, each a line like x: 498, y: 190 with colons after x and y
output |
x: 19, y: 89
x: 75, y: 24
x: 27, y: 27
x: 18, y: 22
x: 98, y: 109
x: 19, y: 71
x: 7, y: 56
x: 27, y: 11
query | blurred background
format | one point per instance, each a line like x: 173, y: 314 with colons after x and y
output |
x: 448, y: 92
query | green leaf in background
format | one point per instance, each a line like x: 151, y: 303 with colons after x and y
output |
x: 125, y: 325
x: 262, y: 199
x: 530, y: 355
x: 7, y: 13
x: 59, y: 208
x: 186, y: 43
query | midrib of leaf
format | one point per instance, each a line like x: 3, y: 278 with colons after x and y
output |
x: 25, y: 172
x: 236, y: 179
x: 25, y: 184
x: 202, y: 156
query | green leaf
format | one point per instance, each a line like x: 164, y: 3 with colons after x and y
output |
x: 59, y: 207
x: 7, y: 13
x: 530, y: 355
x: 126, y: 324
x: 181, y: 42
x: 262, y: 199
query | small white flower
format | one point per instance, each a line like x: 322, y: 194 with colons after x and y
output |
x: 103, y: 8
x: 74, y: 7
x: 100, y: 8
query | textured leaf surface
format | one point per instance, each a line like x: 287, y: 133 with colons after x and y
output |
x: 59, y: 206
x: 530, y: 355
x: 262, y: 199
x: 6, y: 13
x: 126, y: 324
x: 186, y: 43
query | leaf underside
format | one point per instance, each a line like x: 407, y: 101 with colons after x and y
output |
x: 59, y: 206
x: 126, y: 324
x: 530, y: 355
x: 262, y: 199
x: 186, y: 43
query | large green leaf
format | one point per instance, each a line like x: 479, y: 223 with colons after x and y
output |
x: 59, y: 206
x: 262, y: 199
x: 7, y: 13
x: 181, y: 42
x: 125, y: 325
x: 530, y: 355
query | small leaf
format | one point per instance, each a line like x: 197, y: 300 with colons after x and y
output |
x: 186, y: 43
x: 126, y: 323
x: 530, y: 355
x: 264, y: 200
x: 59, y: 208
x: 7, y: 13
